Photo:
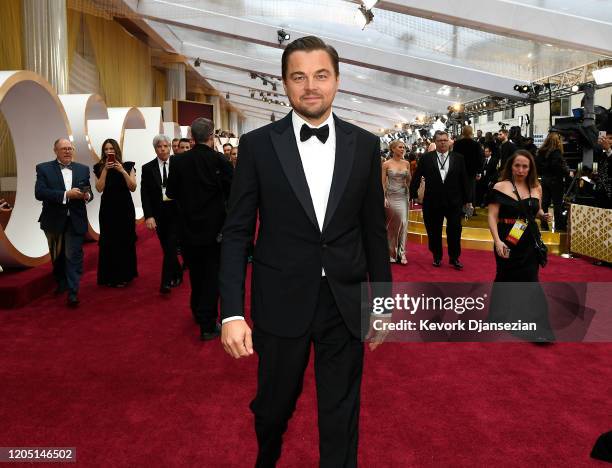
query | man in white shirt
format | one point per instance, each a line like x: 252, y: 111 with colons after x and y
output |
x: 160, y: 212
x: 63, y: 187
x: 314, y: 180
x: 447, y: 192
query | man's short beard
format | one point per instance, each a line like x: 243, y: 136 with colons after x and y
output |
x: 313, y: 115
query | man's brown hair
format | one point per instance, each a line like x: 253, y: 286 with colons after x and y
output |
x: 308, y: 44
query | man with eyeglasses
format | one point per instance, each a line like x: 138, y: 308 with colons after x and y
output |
x: 64, y: 188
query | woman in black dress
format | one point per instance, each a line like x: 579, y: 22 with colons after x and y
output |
x: 117, y: 255
x: 516, y: 259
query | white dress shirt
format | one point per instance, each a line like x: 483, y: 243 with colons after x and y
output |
x: 442, y: 160
x: 67, y: 176
x: 161, y: 168
x: 318, y: 160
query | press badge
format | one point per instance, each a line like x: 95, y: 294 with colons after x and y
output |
x: 516, y: 232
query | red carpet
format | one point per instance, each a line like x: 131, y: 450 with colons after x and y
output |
x: 125, y: 381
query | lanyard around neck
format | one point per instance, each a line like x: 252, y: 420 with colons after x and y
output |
x: 442, y: 164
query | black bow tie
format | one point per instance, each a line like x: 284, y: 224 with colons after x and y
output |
x: 65, y: 166
x: 322, y: 133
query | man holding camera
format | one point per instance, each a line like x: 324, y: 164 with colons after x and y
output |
x: 63, y: 187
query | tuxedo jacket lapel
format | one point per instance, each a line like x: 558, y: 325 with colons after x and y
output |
x: 157, y: 175
x: 343, y: 165
x: 283, y: 140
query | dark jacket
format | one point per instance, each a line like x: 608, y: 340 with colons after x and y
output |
x: 151, y: 191
x: 472, y: 153
x: 50, y: 190
x: 453, y: 191
x: 291, y: 249
x: 552, y: 166
x: 200, y: 181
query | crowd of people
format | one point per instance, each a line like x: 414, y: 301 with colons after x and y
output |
x: 183, y: 190
x: 321, y: 232
x: 408, y: 169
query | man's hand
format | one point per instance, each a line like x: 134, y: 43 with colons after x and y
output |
x: 150, y: 223
x: 377, y: 337
x: 236, y: 338
x: 605, y: 143
x: 4, y: 205
x: 75, y: 194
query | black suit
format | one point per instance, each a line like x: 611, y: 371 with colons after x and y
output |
x: 64, y: 224
x: 200, y: 181
x: 488, y: 177
x: 165, y: 214
x: 506, y: 150
x: 442, y: 199
x: 473, y: 157
x: 292, y: 305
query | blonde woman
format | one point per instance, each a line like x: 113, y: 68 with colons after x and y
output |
x: 396, y: 181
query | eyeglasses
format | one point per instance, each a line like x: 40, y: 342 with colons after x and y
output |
x: 66, y: 149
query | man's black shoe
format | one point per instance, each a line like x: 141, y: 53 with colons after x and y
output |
x: 176, y: 282
x: 73, y: 300
x: 457, y: 264
x: 437, y: 262
x: 164, y: 289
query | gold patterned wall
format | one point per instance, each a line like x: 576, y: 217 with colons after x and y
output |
x: 591, y: 232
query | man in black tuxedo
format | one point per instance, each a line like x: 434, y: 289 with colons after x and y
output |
x: 506, y: 148
x: 160, y: 212
x: 472, y: 154
x: 486, y: 177
x: 446, y: 193
x: 63, y: 187
x: 315, y: 181
x: 200, y: 182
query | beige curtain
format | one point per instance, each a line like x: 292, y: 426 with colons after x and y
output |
x: 73, y: 19
x: 159, y: 87
x: 10, y: 59
x: 124, y: 64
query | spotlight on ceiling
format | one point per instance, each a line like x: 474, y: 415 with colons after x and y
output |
x: 265, y: 82
x: 522, y: 88
x: 273, y: 86
x: 367, y: 16
x: 227, y: 95
x: 282, y: 36
x: 272, y: 117
x: 253, y: 75
x: 197, y: 62
x: 252, y: 94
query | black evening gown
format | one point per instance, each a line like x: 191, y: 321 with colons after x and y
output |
x: 117, y: 243
x: 517, y: 293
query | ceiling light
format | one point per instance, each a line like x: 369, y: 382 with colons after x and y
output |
x: 603, y: 75
x: 282, y: 36
x: 253, y: 75
x: 227, y: 95
x: 273, y: 86
x: 197, y: 62
x: 252, y: 94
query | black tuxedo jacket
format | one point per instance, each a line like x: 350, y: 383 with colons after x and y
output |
x: 452, y: 192
x: 50, y: 190
x: 291, y: 249
x: 200, y: 181
x: 473, y: 155
x: 506, y: 150
x: 151, y: 194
